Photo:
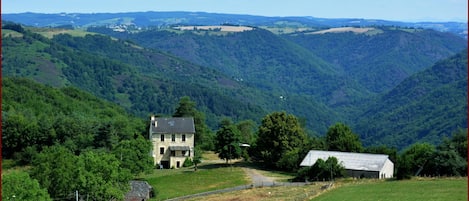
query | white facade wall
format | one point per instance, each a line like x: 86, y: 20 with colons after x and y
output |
x: 388, y: 170
x: 162, y: 152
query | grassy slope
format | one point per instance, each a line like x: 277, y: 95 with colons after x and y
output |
x: 417, y: 189
x: 176, y: 183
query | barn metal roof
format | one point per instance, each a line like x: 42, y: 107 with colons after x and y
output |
x: 351, y: 161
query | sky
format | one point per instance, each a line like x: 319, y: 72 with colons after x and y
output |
x: 400, y: 10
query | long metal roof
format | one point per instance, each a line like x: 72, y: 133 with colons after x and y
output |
x: 351, y: 161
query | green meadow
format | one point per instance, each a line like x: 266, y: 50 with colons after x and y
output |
x: 453, y: 189
x: 181, y: 182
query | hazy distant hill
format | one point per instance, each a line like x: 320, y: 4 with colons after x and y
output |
x: 158, y: 19
x: 426, y: 107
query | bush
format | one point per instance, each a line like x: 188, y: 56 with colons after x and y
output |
x: 187, y: 163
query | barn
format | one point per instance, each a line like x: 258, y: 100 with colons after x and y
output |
x: 357, y: 165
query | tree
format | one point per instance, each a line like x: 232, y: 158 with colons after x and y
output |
x: 279, y: 137
x: 227, y: 141
x: 18, y: 185
x: 414, y: 160
x: 340, y: 137
x: 187, y: 108
x: 133, y: 154
x: 100, y: 176
x: 247, y: 129
x: 322, y: 170
x: 55, y: 168
x: 450, y: 158
x: 96, y: 174
x: 197, y: 157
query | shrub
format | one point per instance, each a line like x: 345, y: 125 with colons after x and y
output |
x: 187, y: 163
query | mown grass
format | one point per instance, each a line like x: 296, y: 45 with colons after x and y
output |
x: 411, y: 190
x: 175, y: 183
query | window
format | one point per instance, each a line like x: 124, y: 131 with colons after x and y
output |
x: 173, y: 153
x: 183, y: 138
x: 184, y: 153
x: 162, y: 138
x: 161, y: 150
x: 173, y: 137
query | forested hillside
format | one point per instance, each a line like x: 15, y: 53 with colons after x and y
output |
x: 71, y: 140
x: 259, y: 58
x: 427, y: 106
x: 145, y: 81
x: 337, y: 69
x: 381, y: 57
x: 66, y: 116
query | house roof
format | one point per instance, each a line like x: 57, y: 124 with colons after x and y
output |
x: 351, y: 161
x: 172, y: 125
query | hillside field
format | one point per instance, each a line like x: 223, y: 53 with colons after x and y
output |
x: 415, y: 189
x: 365, y: 190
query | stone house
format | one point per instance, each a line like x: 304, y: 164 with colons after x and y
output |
x: 172, y: 140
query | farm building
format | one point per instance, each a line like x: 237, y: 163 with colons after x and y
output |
x: 357, y: 165
x: 173, y: 140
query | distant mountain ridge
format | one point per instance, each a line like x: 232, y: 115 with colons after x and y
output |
x: 158, y: 19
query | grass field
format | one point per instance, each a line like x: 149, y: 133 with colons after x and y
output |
x: 266, y: 194
x: 175, y: 183
x: 411, y: 190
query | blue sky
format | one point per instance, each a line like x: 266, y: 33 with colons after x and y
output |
x: 402, y: 10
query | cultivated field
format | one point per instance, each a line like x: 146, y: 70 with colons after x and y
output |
x: 223, y: 28
x: 367, y: 30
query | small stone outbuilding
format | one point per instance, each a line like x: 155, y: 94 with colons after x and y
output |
x: 139, y: 191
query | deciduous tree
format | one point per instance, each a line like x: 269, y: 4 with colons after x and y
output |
x: 187, y: 108
x: 227, y: 141
x: 340, y: 137
x: 18, y: 185
x: 280, y: 136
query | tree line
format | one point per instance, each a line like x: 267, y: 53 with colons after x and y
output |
x: 281, y: 142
